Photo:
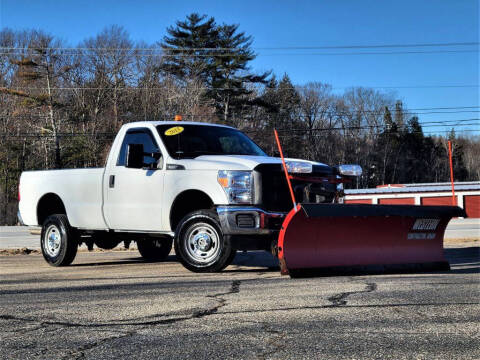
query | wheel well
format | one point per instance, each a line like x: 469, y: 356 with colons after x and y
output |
x: 48, y: 205
x: 187, y: 202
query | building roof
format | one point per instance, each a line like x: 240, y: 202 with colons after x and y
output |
x: 416, y: 189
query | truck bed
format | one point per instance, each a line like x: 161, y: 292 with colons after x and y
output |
x: 80, y: 190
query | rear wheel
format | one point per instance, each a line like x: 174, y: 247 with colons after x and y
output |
x: 200, y: 244
x: 58, y: 240
x: 155, y: 250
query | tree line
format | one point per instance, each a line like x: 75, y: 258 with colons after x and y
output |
x: 62, y: 105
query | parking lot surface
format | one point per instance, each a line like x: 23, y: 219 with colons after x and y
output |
x: 112, y: 305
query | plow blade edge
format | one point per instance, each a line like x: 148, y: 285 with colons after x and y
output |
x: 320, y: 239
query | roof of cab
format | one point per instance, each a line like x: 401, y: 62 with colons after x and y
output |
x: 176, y: 123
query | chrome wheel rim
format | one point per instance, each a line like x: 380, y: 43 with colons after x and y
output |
x: 52, y: 241
x: 202, y: 243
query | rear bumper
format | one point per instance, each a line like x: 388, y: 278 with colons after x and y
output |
x: 249, y: 220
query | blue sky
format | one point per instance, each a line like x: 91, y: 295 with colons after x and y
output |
x: 305, y: 23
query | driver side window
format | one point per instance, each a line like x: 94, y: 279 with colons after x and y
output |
x: 138, y: 136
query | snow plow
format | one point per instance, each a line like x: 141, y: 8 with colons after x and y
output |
x: 318, y: 239
x: 323, y: 239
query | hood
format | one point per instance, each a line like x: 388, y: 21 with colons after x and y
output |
x: 231, y: 162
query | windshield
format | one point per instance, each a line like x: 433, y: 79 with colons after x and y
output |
x: 190, y: 141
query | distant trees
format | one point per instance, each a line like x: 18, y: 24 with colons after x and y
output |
x: 38, y: 72
x: 471, y: 155
x: 61, y: 106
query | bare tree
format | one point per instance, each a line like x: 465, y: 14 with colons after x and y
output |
x: 364, y: 117
x: 40, y: 72
x: 316, y: 110
x: 471, y: 155
x: 109, y: 58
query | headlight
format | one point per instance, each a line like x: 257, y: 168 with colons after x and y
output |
x: 238, y: 185
x: 350, y: 170
x: 298, y: 167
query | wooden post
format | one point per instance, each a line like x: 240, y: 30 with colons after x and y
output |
x: 451, y: 171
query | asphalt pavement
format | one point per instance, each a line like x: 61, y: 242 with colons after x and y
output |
x: 112, y: 305
x: 463, y: 229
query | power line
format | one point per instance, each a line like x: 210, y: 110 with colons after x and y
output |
x: 364, y: 127
x: 373, y: 46
x: 293, y: 130
x: 300, y: 87
x: 373, y: 53
x: 323, y: 47
x: 415, y: 86
x: 300, y: 116
x: 447, y: 121
x: 476, y: 124
x: 448, y: 108
x: 427, y: 134
x: 24, y: 137
x: 414, y: 109
x: 279, y: 54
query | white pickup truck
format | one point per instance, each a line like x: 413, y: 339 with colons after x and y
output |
x: 207, y: 188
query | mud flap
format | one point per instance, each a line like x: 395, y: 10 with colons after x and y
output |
x: 319, y: 239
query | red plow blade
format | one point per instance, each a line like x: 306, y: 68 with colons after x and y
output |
x: 320, y: 239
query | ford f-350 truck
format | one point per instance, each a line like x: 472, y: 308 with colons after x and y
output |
x: 206, y: 188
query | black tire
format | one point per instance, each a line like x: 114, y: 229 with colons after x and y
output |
x: 60, y: 248
x: 231, y: 257
x: 213, y: 254
x: 155, y: 250
x: 105, y: 241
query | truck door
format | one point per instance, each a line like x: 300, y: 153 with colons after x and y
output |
x: 133, y: 197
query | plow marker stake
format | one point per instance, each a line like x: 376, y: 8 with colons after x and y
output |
x: 318, y: 239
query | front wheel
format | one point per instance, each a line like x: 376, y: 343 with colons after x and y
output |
x: 200, y: 244
x: 58, y: 240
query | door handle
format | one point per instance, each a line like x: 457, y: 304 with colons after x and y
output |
x: 111, y: 181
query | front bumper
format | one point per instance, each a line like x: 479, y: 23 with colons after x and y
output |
x: 246, y: 220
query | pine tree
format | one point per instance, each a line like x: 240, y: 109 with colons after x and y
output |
x: 388, y: 146
x: 390, y: 125
x: 218, y: 55
x: 189, y: 48
x: 284, y: 101
x: 281, y: 100
x: 459, y: 169
x: 399, y: 114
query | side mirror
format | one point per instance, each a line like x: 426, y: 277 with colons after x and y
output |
x: 349, y: 170
x: 134, y: 156
x: 156, y: 164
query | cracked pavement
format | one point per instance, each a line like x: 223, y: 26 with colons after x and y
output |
x: 112, y: 305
